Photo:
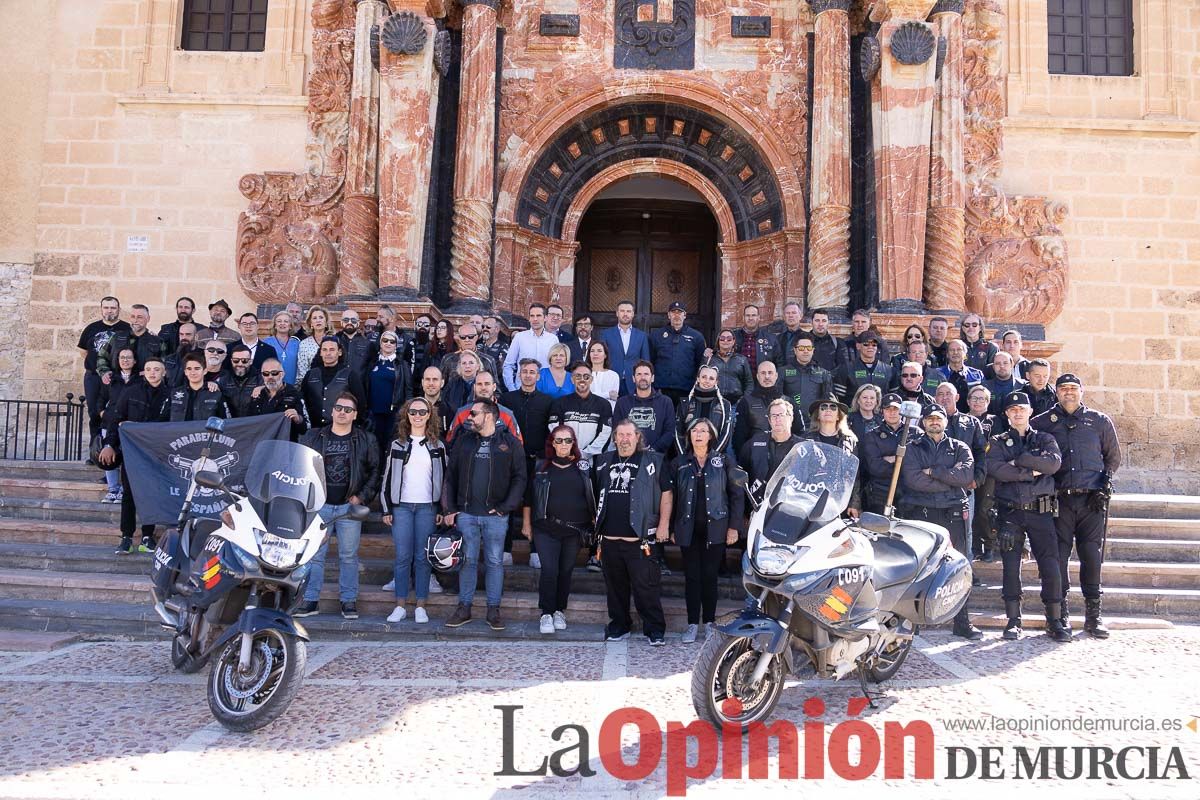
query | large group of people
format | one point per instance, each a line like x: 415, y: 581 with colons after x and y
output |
x: 621, y: 443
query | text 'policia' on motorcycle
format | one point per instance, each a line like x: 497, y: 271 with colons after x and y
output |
x: 728, y: 744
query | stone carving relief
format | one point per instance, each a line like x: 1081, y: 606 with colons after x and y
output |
x: 1015, y: 254
x: 403, y: 34
x: 289, y: 237
x: 655, y: 34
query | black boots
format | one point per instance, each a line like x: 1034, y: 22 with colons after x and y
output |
x: 1092, y: 623
x: 1012, y: 630
x: 1065, y: 619
x: 1054, y: 626
x: 963, y: 626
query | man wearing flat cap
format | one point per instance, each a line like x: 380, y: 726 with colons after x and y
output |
x: 218, y: 312
x: 1091, y: 456
x: 936, y: 473
x: 1023, y: 461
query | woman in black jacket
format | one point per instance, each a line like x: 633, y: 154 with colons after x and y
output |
x: 110, y: 395
x: 560, y: 515
x: 413, y: 475
x: 706, y: 506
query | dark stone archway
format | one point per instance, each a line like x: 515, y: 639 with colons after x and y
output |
x: 714, y: 148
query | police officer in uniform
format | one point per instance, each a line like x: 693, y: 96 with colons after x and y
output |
x: 878, y: 452
x: 1091, y: 456
x: 936, y: 472
x: 1022, y: 460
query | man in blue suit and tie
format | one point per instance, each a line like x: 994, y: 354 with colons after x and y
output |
x: 626, y: 346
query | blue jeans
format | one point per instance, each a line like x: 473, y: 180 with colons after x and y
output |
x: 488, y: 530
x: 348, y: 532
x: 412, y: 525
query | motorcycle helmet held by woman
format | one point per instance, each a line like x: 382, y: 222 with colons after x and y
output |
x: 444, y: 550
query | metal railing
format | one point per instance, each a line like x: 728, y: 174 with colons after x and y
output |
x: 43, y: 430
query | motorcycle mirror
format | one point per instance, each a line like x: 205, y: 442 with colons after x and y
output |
x: 214, y: 425
x: 209, y: 480
x: 910, y: 409
x: 359, y: 513
x: 875, y: 523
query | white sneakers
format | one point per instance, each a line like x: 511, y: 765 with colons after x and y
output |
x: 560, y: 621
x: 400, y: 613
x: 506, y: 560
x: 689, y: 634
x: 535, y: 561
x: 546, y: 624
x: 709, y: 629
x: 390, y: 586
x: 434, y: 586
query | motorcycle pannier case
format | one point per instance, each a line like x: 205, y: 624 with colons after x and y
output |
x: 937, y: 598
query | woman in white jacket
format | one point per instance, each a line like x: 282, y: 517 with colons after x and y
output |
x: 606, y: 382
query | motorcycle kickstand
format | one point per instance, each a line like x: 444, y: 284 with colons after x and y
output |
x: 862, y: 682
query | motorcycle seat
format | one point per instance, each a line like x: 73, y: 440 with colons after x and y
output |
x: 895, y: 562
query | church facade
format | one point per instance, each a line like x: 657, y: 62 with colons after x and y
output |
x: 915, y: 157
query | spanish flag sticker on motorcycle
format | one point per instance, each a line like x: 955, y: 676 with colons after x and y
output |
x: 212, y: 572
x: 836, y: 605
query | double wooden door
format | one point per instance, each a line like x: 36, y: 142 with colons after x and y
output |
x: 651, y: 253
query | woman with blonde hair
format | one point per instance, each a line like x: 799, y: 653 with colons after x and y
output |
x: 554, y: 380
x: 317, y: 324
x: 286, y: 346
x: 866, y: 410
x: 413, y: 474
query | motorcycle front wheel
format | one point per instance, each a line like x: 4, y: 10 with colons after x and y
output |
x: 252, y: 700
x: 723, y: 671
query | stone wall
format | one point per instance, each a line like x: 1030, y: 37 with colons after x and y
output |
x: 15, y: 280
x: 1124, y: 153
x: 142, y: 151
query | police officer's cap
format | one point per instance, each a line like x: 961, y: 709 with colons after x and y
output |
x: 934, y: 410
x: 892, y: 399
x: 1016, y: 399
x: 676, y: 306
x: 1068, y: 377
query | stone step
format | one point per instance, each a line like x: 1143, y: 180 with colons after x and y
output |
x: 42, y: 488
x: 35, y: 584
x: 1181, y: 529
x: 1169, y: 506
x: 48, y: 470
x: 96, y: 620
x: 17, y: 584
x: 1118, y: 573
x: 1171, y: 550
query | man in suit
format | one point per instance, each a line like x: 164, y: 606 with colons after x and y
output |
x: 626, y: 346
x: 582, y: 340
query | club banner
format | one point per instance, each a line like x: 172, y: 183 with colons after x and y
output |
x: 159, y: 457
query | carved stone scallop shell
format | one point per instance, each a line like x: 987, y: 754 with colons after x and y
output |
x: 913, y: 43
x: 869, y: 58
x: 404, y: 34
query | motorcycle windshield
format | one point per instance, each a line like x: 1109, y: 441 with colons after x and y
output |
x: 813, y: 483
x: 282, y: 469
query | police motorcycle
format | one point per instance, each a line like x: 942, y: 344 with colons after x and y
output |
x: 225, y: 588
x: 825, y: 597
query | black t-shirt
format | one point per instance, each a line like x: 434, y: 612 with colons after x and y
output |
x: 566, y: 490
x: 481, y: 468
x: 619, y: 479
x: 337, y: 468
x: 95, y: 336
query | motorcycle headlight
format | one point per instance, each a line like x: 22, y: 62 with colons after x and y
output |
x: 773, y: 560
x: 277, y: 552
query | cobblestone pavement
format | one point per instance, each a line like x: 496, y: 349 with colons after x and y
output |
x: 380, y: 719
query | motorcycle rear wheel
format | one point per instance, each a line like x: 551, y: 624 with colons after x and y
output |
x: 722, y: 669
x: 890, y: 660
x: 255, y: 700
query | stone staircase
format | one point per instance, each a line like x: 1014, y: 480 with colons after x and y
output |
x: 58, y: 570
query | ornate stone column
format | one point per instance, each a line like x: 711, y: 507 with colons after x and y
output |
x: 474, y: 170
x: 407, y: 118
x: 945, y: 226
x: 829, y: 234
x: 907, y: 53
x: 358, y: 271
